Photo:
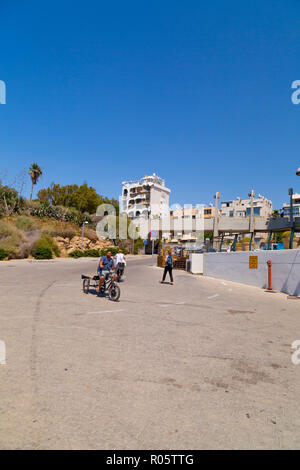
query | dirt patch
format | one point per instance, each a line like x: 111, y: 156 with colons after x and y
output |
x: 236, y: 312
x: 249, y: 374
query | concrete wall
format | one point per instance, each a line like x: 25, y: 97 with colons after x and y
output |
x: 235, y: 267
x: 196, y: 266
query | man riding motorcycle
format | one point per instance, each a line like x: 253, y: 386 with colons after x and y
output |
x: 106, y: 264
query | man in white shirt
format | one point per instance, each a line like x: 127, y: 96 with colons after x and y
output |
x: 120, y: 258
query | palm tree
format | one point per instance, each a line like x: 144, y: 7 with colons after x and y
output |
x: 35, y: 172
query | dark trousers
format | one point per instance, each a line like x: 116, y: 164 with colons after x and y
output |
x: 168, y: 269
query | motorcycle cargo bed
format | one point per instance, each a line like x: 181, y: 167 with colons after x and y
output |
x: 93, y: 277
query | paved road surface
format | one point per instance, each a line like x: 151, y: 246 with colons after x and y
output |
x: 201, y: 364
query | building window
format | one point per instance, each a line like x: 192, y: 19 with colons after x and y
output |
x: 256, y: 211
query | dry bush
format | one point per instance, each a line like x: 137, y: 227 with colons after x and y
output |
x: 26, y: 223
x: 64, y: 231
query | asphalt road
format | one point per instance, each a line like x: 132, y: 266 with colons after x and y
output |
x: 201, y: 364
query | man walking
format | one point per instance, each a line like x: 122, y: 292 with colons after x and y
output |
x: 168, y: 268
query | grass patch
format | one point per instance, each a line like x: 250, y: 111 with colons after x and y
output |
x: 10, y: 238
x: 25, y: 223
x: 60, y: 230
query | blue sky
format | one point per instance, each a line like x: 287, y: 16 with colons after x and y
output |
x: 197, y: 91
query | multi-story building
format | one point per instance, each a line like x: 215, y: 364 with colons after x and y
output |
x: 262, y: 207
x: 296, y: 206
x: 183, y: 221
x: 147, y: 196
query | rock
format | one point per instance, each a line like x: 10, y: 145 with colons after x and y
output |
x: 59, y: 239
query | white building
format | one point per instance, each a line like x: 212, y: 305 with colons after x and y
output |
x: 296, y: 206
x: 262, y: 207
x: 147, y: 196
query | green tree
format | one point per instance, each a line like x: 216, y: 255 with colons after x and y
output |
x: 35, y: 172
x: 84, y: 198
x: 10, y: 201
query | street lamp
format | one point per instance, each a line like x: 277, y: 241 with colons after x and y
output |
x: 251, y: 196
x: 83, y: 226
x: 298, y: 171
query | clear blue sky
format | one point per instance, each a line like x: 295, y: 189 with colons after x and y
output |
x: 197, y: 91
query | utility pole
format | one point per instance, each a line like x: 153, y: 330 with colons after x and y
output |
x: 291, y: 207
x: 251, y: 195
x: 216, y: 221
x: 82, y: 237
x: 291, y: 218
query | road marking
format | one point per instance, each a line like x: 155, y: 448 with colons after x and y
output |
x: 106, y: 311
x: 224, y: 283
x: 2, y: 353
x: 213, y: 296
x: 179, y: 303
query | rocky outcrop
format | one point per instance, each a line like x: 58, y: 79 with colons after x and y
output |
x: 67, y: 245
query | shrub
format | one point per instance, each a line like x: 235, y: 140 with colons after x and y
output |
x: 286, y: 234
x: 138, y: 244
x: 25, y: 223
x: 66, y: 232
x: 49, y: 230
x: 3, y: 254
x: 10, y: 238
x: 76, y: 254
x: 92, y: 253
x: 42, y: 253
x: 6, y: 229
x: 47, y: 242
x: 114, y: 250
x: 89, y: 253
